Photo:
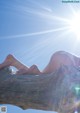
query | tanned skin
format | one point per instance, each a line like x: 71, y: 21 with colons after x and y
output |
x: 57, y: 59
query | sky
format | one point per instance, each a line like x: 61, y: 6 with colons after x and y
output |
x: 32, y: 30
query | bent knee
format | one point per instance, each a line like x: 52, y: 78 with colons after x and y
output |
x: 33, y: 66
x: 10, y: 56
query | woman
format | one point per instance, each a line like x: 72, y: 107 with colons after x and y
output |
x: 58, y: 58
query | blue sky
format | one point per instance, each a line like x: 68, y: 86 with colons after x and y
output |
x: 33, y: 30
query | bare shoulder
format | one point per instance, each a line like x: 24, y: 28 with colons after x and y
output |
x: 60, y: 52
x: 64, y: 53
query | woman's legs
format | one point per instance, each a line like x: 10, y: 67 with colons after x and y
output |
x: 12, y: 61
x: 55, y: 62
x: 22, y: 69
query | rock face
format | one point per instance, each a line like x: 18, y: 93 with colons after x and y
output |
x: 58, y: 91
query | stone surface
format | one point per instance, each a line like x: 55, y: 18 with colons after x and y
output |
x: 58, y: 91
